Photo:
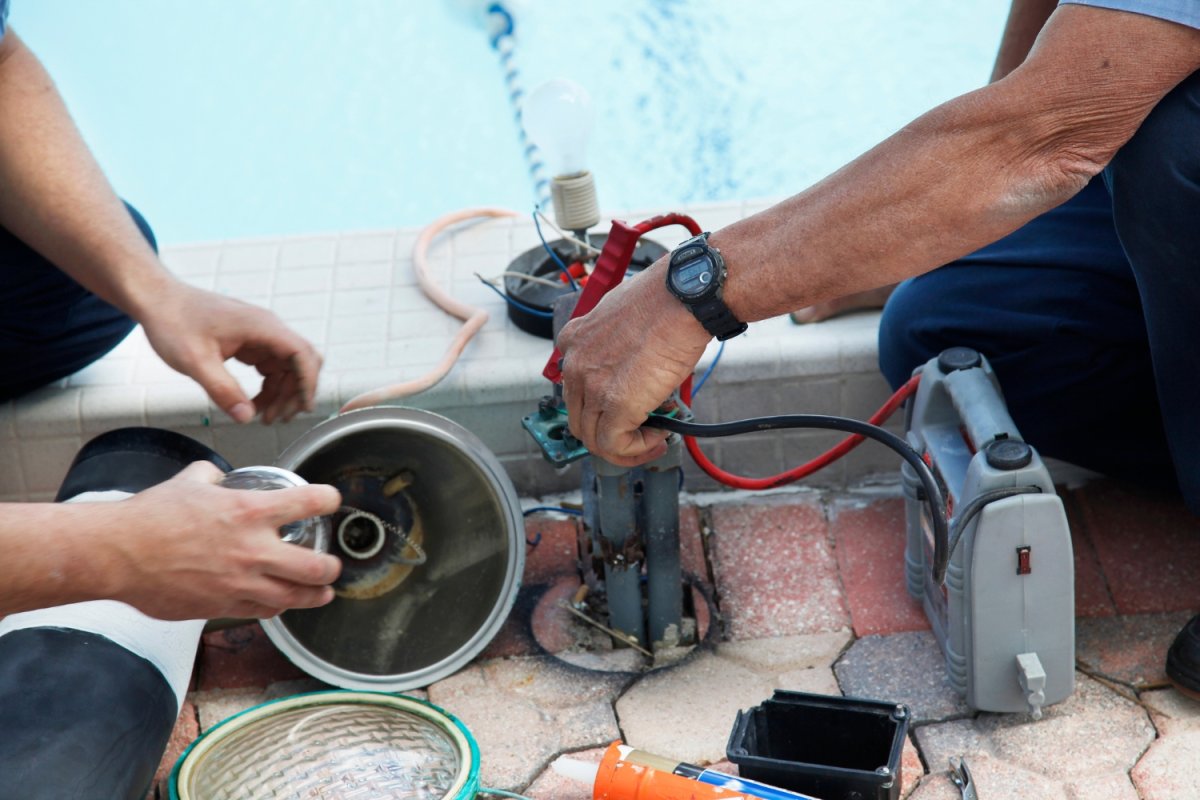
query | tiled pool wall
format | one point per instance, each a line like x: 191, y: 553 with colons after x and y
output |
x: 354, y: 295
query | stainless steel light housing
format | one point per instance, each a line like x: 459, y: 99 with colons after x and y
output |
x: 432, y: 544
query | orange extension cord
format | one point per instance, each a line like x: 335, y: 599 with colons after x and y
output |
x: 473, y: 317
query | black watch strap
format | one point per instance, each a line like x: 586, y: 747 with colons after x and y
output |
x: 717, y: 319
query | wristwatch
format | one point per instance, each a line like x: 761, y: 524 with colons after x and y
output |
x: 696, y: 275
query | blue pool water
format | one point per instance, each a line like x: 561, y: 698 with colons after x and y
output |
x: 224, y: 119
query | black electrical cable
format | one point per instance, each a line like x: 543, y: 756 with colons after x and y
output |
x: 963, y: 518
x: 933, y: 492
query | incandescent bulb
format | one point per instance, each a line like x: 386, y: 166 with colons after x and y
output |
x: 558, y: 117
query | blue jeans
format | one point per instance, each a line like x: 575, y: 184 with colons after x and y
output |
x: 1090, y: 313
x: 51, y: 326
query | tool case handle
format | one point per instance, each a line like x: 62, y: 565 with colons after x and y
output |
x: 977, y: 400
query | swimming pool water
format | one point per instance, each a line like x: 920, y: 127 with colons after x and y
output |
x: 225, y: 119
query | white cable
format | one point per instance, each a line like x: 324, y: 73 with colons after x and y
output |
x: 524, y: 276
x: 573, y: 240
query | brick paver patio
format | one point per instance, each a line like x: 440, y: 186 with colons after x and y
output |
x: 809, y: 593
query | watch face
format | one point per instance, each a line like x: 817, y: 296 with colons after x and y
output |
x: 695, y: 277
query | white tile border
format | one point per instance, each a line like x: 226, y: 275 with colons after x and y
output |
x: 354, y: 295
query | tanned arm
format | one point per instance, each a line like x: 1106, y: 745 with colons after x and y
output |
x: 54, y: 197
x: 959, y: 177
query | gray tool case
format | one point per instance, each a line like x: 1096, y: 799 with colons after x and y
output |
x: 1005, y: 616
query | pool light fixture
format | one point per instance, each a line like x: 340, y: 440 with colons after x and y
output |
x: 334, y: 745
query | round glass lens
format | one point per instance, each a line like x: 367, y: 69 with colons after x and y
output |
x: 332, y: 751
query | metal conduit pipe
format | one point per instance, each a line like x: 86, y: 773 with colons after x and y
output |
x: 618, y: 540
x: 664, y: 575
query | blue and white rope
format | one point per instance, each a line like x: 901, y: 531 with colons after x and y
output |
x: 500, y: 25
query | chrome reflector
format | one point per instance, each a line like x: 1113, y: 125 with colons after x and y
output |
x: 432, y: 544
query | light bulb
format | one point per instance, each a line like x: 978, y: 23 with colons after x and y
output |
x: 558, y: 117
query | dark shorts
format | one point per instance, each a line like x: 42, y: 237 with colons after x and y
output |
x: 51, y: 326
x: 1090, y: 313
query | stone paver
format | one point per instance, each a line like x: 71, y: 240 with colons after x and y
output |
x: 1170, y: 770
x: 1148, y: 545
x: 1092, y: 739
x: 525, y: 711
x: 940, y: 742
x: 1171, y: 711
x: 869, y: 544
x: 911, y: 769
x: 552, y: 625
x: 814, y: 680
x: 688, y: 711
x: 994, y: 780
x: 935, y: 786
x: 691, y: 543
x: 902, y: 668
x: 1109, y: 787
x: 775, y: 571
x: 1092, y: 597
x: 1094, y: 732
x: 240, y: 657
x: 1003, y: 780
x: 787, y: 653
x: 800, y: 663
x: 1132, y: 650
x: 556, y: 551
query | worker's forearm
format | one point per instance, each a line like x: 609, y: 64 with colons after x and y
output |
x: 968, y: 172
x: 51, y: 555
x: 954, y: 180
x: 1025, y: 20
x: 55, y: 197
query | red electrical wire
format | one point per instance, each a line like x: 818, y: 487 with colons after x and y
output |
x: 795, y: 474
x: 804, y: 470
x: 663, y: 220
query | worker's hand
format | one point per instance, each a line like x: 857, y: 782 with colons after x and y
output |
x: 196, y: 331
x: 622, y: 360
x: 189, y: 549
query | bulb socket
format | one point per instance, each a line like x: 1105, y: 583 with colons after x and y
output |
x: 575, y: 204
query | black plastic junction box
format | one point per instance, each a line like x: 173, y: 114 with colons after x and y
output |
x: 833, y: 748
